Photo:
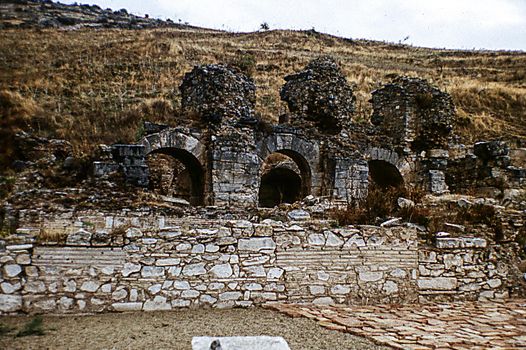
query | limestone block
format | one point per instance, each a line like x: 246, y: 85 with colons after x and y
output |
x: 266, y: 296
x: 263, y: 230
x: 390, y: 287
x: 240, y: 343
x: 10, y: 303
x: 298, y: 215
x: 152, y: 271
x: 168, y: 262
x: 183, y: 285
x: 90, y: 286
x: 255, y: 271
x: 207, y: 299
x: 253, y: 286
x: 323, y: 276
x: 183, y: 247
x: 108, y: 270
x: 35, y: 287
x: 230, y: 296
x: 65, y: 303
x: 157, y: 304
x: 316, y: 290
x: 127, y: 307
x: 181, y: 303
x: 81, y: 237
x: 323, y: 301
x: 355, y: 241
x: 316, y: 239
x: 340, y: 289
x: 370, y: 276
x: 18, y: 247
x: 398, y: 273
x: 190, y: 294
x: 333, y: 240
x: 133, y: 232
x: 12, y: 270
x: 130, y: 268
x: 70, y: 286
x: 23, y: 259
x: 174, y: 271
x: 45, y: 305
x: 211, y: 248
x: 194, y: 269
x: 437, y: 283
x: 119, y: 294
x: 275, y: 273
x: 259, y: 260
x: 149, y: 241
x: 494, y: 283
x: 222, y: 271
x: 9, y: 288
x: 106, y: 288
x: 216, y: 286
x: 198, y: 249
x: 256, y: 244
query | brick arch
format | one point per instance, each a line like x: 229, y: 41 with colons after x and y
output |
x: 175, y: 139
x: 404, y: 167
x: 305, y: 153
x: 187, y: 149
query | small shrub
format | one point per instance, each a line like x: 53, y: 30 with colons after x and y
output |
x: 4, y: 329
x: 33, y: 327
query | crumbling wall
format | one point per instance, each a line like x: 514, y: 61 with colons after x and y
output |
x: 417, y: 115
x: 217, y: 93
x: 320, y: 96
x: 92, y: 262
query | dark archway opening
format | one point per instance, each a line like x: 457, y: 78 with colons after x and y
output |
x: 385, y: 174
x: 279, y: 185
x: 177, y: 173
x: 286, y: 179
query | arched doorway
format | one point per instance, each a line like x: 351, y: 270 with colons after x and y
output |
x: 285, y: 178
x: 178, y: 173
x: 385, y: 174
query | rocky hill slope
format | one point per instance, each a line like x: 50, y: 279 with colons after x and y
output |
x: 93, y: 76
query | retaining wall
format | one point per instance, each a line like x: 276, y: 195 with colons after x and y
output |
x: 128, y: 262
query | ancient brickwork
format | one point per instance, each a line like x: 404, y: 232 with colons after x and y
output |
x: 93, y: 262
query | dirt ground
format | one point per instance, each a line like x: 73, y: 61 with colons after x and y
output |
x: 173, y: 330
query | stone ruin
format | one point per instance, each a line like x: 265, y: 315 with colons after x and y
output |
x: 320, y: 150
x: 228, y: 162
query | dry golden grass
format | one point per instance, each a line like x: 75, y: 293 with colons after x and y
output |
x: 96, y: 86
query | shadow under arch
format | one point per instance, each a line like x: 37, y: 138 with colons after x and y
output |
x: 385, y: 174
x: 284, y: 185
x: 195, y: 170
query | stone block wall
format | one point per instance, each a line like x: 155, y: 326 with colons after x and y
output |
x: 461, y: 269
x: 133, y: 261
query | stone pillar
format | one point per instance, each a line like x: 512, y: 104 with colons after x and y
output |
x: 350, y: 179
x: 235, y: 170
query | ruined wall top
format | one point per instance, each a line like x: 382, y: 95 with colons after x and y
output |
x: 217, y: 93
x: 414, y: 113
x: 320, y: 95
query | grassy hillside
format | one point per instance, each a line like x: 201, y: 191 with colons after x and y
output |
x: 96, y: 86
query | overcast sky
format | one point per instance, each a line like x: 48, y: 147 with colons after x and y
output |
x: 466, y: 24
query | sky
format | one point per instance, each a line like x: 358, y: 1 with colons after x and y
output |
x: 454, y: 24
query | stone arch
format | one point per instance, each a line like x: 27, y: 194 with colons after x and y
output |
x: 390, y: 162
x: 304, y: 153
x: 188, y: 150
